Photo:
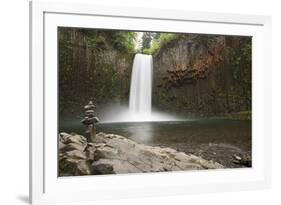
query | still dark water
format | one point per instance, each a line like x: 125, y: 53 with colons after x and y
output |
x: 186, y: 136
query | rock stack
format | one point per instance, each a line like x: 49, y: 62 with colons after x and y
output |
x: 90, y: 120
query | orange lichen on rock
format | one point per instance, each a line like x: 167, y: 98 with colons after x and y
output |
x: 198, y: 69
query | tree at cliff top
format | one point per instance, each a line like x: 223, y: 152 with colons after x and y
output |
x: 159, y: 40
x: 146, y: 40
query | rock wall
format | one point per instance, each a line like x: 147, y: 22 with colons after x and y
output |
x: 200, y: 75
x: 90, y: 67
x: 203, y: 75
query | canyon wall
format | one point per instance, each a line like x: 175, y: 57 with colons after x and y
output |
x: 203, y: 75
x: 91, y: 66
x: 194, y: 75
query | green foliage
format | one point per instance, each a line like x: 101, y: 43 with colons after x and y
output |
x: 106, y: 82
x: 146, y: 40
x: 98, y: 40
x: 159, y: 41
x: 242, y: 60
x: 243, y: 115
x: 241, y: 63
x: 124, y: 41
x: 246, y: 53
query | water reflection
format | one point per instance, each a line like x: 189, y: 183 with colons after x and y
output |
x: 141, y: 133
x: 182, y: 133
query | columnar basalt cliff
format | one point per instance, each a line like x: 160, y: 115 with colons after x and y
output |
x: 92, y: 63
x: 202, y: 75
x: 194, y: 75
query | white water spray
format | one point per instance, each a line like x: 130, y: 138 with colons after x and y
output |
x: 141, y: 85
x: 140, y: 108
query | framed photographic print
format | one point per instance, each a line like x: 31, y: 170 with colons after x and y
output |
x: 127, y: 103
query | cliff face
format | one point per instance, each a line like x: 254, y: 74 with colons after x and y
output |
x: 90, y: 66
x: 203, y: 75
x: 200, y: 75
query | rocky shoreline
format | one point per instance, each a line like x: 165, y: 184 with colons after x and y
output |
x: 115, y: 154
x: 228, y: 155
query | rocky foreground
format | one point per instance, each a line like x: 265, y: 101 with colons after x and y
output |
x: 114, y: 154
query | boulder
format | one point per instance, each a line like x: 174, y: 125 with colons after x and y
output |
x: 72, y: 138
x: 115, y: 154
x: 113, y: 166
x: 76, y: 154
x: 74, y: 167
x: 71, y: 146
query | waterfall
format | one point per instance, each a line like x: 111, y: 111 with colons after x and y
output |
x: 141, y: 85
x: 140, y: 109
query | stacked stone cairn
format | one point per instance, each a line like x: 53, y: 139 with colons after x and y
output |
x: 90, y: 120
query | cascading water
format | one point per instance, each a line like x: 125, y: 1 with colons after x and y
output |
x: 140, y: 108
x: 141, y: 85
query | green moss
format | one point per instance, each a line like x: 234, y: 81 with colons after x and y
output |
x: 158, y: 43
x: 243, y: 115
x: 93, y: 64
x: 124, y: 41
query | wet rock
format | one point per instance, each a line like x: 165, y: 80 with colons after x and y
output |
x: 101, y: 167
x: 113, y: 166
x: 237, y: 158
x: 72, y: 138
x: 244, y: 160
x: 61, y: 145
x: 73, y: 167
x: 114, y: 154
x: 76, y: 154
x: 105, y: 152
x: 71, y: 146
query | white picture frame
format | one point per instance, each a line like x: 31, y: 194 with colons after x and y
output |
x: 46, y: 187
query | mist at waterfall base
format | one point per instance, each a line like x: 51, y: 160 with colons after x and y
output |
x: 117, y: 114
x: 140, y: 106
